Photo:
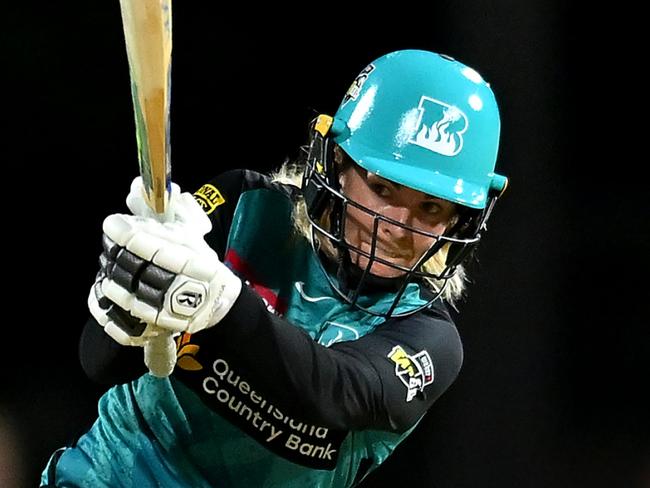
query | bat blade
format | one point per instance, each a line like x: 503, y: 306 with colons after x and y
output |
x: 148, y: 35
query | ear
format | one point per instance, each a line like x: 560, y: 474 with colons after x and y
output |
x: 339, y: 164
x: 339, y: 157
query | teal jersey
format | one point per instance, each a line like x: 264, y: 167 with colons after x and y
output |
x: 294, y: 388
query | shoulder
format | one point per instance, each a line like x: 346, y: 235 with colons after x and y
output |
x: 426, y: 339
x: 416, y: 358
x: 431, y: 329
x: 230, y: 185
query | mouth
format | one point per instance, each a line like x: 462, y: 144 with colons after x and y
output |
x: 386, y: 253
x: 392, y: 255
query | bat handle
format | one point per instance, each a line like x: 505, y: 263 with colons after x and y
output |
x: 160, y: 354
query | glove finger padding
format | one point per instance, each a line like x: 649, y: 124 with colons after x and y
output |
x: 165, y: 274
x: 124, y: 328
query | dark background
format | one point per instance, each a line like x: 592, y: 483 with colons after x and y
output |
x: 553, y: 392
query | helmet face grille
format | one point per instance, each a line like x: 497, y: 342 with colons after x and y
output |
x: 327, y: 208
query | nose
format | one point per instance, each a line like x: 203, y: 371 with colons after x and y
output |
x: 399, y: 214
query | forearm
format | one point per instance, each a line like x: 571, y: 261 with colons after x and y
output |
x: 320, y: 385
x: 104, y: 360
x: 351, y: 385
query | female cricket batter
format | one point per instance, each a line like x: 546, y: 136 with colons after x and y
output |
x: 309, y: 307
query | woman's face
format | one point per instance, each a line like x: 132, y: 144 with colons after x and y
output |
x: 405, y: 205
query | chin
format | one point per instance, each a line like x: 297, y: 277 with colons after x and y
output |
x: 386, y: 273
x: 381, y: 270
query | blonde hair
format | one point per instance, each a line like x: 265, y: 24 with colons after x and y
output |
x: 290, y: 173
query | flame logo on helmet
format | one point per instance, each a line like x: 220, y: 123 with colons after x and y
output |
x: 440, y: 127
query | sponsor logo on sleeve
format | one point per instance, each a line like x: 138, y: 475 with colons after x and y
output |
x: 209, y: 197
x: 186, y: 353
x: 226, y: 390
x: 415, y: 371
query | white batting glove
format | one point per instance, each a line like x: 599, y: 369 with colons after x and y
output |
x: 164, y: 273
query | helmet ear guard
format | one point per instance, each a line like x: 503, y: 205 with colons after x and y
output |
x: 320, y: 170
x: 472, y: 224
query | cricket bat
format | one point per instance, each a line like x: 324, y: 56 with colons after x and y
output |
x: 148, y: 35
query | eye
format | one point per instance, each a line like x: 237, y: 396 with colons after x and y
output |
x: 431, y: 208
x: 380, y: 189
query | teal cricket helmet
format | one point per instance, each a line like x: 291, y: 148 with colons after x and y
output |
x: 422, y: 120
x: 425, y: 121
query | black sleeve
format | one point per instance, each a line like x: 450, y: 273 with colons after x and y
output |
x: 385, y: 380
x: 104, y: 360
